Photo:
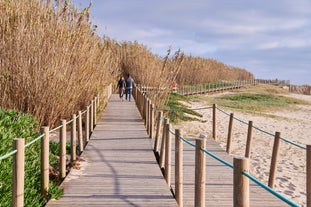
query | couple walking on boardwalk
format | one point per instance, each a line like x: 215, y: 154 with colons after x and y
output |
x: 125, y: 86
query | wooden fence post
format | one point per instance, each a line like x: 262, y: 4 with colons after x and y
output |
x: 168, y: 156
x: 274, y: 159
x: 249, y: 139
x: 200, y: 170
x: 240, y: 183
x: 18, y: 173
x: 229, y: 140
x: 145, y: 109
x: 147, y: 116
x: 162, y: 152
x: 214, y: 121
x: 81, y: 145
x: 92, y: 117
x: 308, y: 173
x: 151, y: 120
x: 95, y: 111
x: 45, y: 149
x: 62, y: 153
x: 156, y: 139
x: 87, y: 124
x: 178, y: 168
x: 74, y: 138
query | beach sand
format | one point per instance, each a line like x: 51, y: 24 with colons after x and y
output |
x: 293, y: 124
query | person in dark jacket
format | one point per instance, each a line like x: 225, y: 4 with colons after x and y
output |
x: 121, y: 86
x: 129, y: 87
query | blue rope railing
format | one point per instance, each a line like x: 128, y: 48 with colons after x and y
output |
x: 39, y: 137
x: 268, y: 133
x: 252, y: 178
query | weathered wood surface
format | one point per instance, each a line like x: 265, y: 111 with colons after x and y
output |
x: 219, y: 179
x: 119, y: 168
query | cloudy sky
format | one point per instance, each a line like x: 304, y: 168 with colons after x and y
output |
x: 269, y: 38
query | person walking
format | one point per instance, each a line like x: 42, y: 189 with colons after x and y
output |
x: 129, y: 87
x: 121, y: 86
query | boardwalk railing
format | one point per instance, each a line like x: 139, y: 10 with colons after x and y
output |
x: 219, y: 86
x: 160, y: 129
x: 18, y: 153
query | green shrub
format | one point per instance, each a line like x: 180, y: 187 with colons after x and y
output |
x: 18, y: 125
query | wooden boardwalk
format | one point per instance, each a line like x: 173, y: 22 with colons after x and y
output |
x: 120, y: 168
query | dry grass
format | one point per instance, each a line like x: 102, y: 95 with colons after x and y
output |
x: 52, y: 63
x: 196, y: 70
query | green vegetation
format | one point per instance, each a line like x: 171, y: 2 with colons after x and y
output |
x: 259, y: 98
x: 18, y: 125
x: 178, y: 111
x: 256, y: 102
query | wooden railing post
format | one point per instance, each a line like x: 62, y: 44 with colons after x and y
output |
x: 158, y: 128
x: 229, y: 140
x: 274, y: 159
x: 45, y: 149
x: 249, y: 139
x: 81, y: 145
x: 178, y: 168
x: 168, y: 155
x: 214, y: 121
x: 240, y: 183
x: 141, y: 103
x: 147, y: 116
x: 162, y: 152
x: 151, y: 120
x: 200, y: 170
x: 308, y: 185
x: 73, y: 138
x: 145, y: 110
x: 95, y: 111
x: 87, y: 124
x: 18, y: 173
x: 92, y: 117
x: 62, y: 153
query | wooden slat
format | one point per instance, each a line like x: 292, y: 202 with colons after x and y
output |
x: 120, y: 167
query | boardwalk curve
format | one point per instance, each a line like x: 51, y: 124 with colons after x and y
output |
x: 119, y: 168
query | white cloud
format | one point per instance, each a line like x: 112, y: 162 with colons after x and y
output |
x: 253, y: 34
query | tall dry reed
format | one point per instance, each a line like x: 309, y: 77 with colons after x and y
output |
x: 196, y: 70
x: 52, y: 61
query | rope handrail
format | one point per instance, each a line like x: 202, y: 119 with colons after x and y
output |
x: 204, y: 150
x: 268, y: 133
x: 33, y: 141
x: 244, y: 122
x: 8, y: 155
x: 252, y: 178
x: 40, y: 136
x: 270, y: 190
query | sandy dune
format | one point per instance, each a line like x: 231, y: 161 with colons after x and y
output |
x: 293, y: 124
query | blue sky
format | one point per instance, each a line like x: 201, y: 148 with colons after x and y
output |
x: 271, y: 39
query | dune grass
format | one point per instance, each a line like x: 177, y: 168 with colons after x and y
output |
x: 178, y: 111
x: 258, y: 99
